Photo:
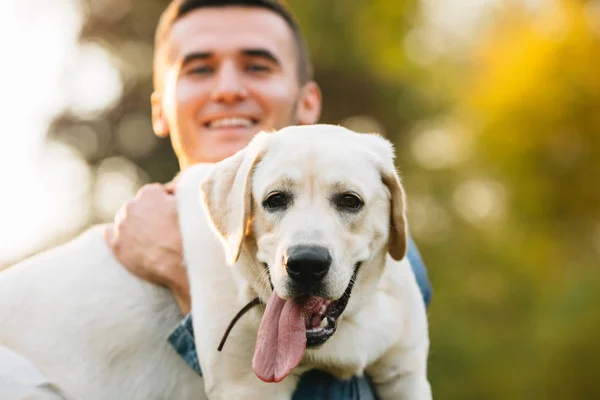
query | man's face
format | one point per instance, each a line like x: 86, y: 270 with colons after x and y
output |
x: 230, y: 73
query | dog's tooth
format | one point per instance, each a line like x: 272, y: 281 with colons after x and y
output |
x: 323, y: 309
x: 324, y: 323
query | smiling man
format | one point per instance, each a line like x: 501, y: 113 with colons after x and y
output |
x: 224, y: 71
x: 224, y: 74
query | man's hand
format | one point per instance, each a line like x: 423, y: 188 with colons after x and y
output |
x: 146, y: 239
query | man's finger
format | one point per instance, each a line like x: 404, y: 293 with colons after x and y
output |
x: 170, y: 187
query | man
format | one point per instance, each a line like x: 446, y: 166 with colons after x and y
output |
x: 223, y: 71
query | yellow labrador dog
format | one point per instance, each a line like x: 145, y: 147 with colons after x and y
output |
x: 309, y: 221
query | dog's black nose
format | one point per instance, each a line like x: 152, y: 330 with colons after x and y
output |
x: 308, y: 264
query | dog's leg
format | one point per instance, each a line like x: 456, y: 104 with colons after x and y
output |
x: 401, y: 375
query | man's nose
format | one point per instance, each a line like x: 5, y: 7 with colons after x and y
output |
x: 229, y: 86
x: 308, y: 264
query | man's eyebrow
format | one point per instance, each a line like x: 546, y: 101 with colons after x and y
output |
x: 261, y: 53
x: 203, y: 55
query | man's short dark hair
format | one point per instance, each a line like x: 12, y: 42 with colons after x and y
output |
x: 179, y: 8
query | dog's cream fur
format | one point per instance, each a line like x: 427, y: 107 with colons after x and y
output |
x: 99, y: 333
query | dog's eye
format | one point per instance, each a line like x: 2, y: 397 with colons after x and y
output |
x: 277, y: 201
x: 349, y: 202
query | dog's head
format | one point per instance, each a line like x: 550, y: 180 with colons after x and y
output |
x: 316, y: 203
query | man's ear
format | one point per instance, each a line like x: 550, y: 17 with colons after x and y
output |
x: 159, y: 122
x: 227, y: 195
x: 308, y: 110
x: 398, y: 233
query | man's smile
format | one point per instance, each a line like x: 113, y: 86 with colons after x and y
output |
x: 230, y: 122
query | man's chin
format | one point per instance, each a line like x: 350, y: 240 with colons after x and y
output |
x: 233, y: 133
x: 223, y: 149
x: 215, y: 145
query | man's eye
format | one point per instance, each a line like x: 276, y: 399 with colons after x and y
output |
x: 205, y: 69
x: 257, y: 68
x: 277, y: 201
x: 348, y: 202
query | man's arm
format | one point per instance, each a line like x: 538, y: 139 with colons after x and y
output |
x: 146, y: 240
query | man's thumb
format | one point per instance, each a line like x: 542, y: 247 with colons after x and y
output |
x: 170, y: 186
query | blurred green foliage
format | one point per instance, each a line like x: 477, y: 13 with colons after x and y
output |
x: 499, y: 146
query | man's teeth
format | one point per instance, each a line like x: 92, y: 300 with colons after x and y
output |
x: 230, y: 122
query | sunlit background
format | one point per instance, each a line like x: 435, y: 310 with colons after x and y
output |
x: 495, y: 110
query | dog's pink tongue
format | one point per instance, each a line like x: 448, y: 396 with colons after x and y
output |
x: 281, y: 339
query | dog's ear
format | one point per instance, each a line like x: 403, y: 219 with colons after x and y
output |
x: 227, y: 196
x: 398, y: 234
x: 398, y: 226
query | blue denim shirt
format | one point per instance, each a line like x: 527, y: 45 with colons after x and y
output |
x: 313, y: 384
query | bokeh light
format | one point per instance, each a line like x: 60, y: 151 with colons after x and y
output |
x: 440, y: 146
x: 479, y: 200
x: 117, y: 180
x: 49, y: 72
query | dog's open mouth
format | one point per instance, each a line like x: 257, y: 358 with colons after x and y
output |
x: 321, y: 316
x: 288, y: 327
